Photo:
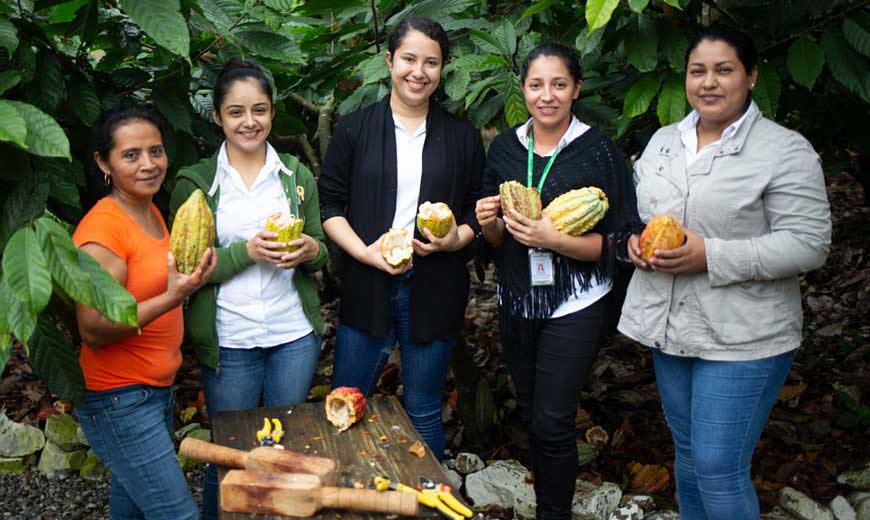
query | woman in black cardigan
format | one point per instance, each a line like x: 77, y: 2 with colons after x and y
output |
x: 382, y: 162
x: 553, y: 287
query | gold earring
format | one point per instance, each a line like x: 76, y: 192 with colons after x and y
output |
x: 107, y: 179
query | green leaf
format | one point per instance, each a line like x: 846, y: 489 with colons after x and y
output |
x: 767, y: 90
x: 26, y: 270
x: 505, y: 35
x: 481, y: 87
x: 84, y: 100
x: 5, y: 349
x: 375, y: 69
x: 677, y: 3
x: 13, y: 128
x: 587, y: 42
x: 21, y: 320
x: 515, y: 111
x: 271, y: 45
x: 48, y: 88
x: 846, y: 64
x: 483, y: 114
x: 538, y: 7
x: 672, y: 101
x: 109, y: 297
x: 9, y: 79
x: 857, y: 33
x: 674, y: 44
x: 55, y: 362
x: 63, y: 261
x: 485, y: 42
x: 457, y: 84
x: 61, y: 178
x: 8, y: 35
x: 174, y: 108
x: 642, y: 45
x: 431, y: 9
x: 27, y: 200
x: 162, y: 21
x: 598, y: 12
x: 476, y: 63
x: 222, y: 13
x: 640, y: 95
x: 637, y: 5
x: 44, y: 136
x: 805, y: 61
x: 6, y: 298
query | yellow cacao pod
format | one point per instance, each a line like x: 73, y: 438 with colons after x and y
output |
x: 437, y: 218
x: 396, y: 247
x: 288, y: 227
x: 577, y: 211
x: 192, y: 232
x: 662, y: 232
x: 523, y: 200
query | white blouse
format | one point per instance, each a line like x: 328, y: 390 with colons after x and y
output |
x: 409, y: 165
x: 258, y: 307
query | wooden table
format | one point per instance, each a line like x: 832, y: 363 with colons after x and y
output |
x: 377, y: 445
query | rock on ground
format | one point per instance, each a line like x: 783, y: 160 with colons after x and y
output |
x: 53, y: 461
x: 62, y: 430
x: 802, y: 506
x: 19, y: 440
x: 505, y: 484
x: 595, y: 502
x: 858, y: 479
x: 466, y: 463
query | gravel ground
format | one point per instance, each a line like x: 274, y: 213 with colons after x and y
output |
x: 32, y: 496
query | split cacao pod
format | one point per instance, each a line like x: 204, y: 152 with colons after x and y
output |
x: 396, y: 247
x: 192, y: 232
x: 344, y: 406
x: 577, y: 211
x: 662, y: 232
x: 436, y: 217
x: 523, y: 200
x: 288, y: 228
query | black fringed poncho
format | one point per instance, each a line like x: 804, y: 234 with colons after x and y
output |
x: 589, y: 160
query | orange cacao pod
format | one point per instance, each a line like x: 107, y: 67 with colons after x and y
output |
x: 662, y: 232
x: 344, y: 406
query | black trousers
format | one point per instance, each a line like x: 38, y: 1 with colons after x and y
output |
x: 549, y: 370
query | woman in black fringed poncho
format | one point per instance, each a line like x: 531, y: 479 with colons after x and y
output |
x: 552, y: 287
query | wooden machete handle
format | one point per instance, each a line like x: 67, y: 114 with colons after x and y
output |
x: 214, y: 453
x: 396, y: 502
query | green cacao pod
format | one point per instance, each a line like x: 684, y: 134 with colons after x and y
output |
x: 192, y: 232
x: 288, y: 227
x: 437, y: 218
x: 577, y: 211
x: 523, y: 200
x: 396, y: 247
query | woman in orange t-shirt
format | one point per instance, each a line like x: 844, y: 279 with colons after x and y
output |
x: 126, y: 413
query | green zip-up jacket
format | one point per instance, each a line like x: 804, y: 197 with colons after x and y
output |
x: 200, y: 331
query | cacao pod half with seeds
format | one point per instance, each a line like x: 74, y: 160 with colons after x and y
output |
x: 344, y: 406
x: 523, y: 200
x: 396, y: 247
x: 577, y: 211
x: 662, y: 232
x: 437, y: 218
x: 288, y: 228
x: 192, y: 232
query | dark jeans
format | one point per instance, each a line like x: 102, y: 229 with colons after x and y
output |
x: 360, y: 358
x: 549, y: 370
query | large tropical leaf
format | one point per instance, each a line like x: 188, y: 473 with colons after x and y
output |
x: 457, y: 84
x: 672, y: 101
x: 515, y: 111
x: 598, y: 12
x: 538, y: 7
x: 84, y: 100
x: 26, y: 270
x: 637, y: 5
x: 846, y: 64
x: 54, y: 360
x: 641, y: 45
x: 8, y: 79
x: 44, y: 136
x: 674, y: 44
x: 63, y: 261
x: 26, y: 201
x: 162, y: 21
x: 271, y: 45
x: 108, y: 295
x: 505, y: 35
x: 61, y: 178
x: 640, y: 95
x: 13, y: 128
x: 222, y: 13
x: 431, y: 8
x: 805, y: 61
x: 856, y: 29
x: 767, y: 90
x: 48, y: 88
x: 8, y: 35
x: 587, y: 41
x: 19, y: 319
x: 375, y: 69
x: 175, y: 108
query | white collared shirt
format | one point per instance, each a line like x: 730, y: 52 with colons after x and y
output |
x: 597, y: 289
x: 258, y: 307
x: 689, y: 135
x: 409, y: 167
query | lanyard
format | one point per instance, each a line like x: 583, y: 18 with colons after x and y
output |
x: 532, y: 160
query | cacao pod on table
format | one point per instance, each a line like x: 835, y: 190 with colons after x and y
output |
x: 192, y: 232
x: 436, y: 217
x: 288, y: 227
x: 344, y: 406
x: 662, y: 232
x: 577, y: 211
x: 396, y: 247
x: 523, y: 200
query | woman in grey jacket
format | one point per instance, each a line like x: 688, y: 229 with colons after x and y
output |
x: 723, y: 312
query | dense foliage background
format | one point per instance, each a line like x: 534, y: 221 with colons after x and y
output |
x: 62, y: 62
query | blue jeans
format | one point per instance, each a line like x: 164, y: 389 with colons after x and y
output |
x: 129, y: 430
x: 716, y: 411
x: 280, y: 374
x: 360, y: 358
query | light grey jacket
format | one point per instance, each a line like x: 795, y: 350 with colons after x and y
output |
x: 760, y: 204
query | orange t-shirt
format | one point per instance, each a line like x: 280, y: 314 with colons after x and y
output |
x: 153, y: 356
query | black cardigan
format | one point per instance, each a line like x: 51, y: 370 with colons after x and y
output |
x: 590, y: 160
x: 358, y: 181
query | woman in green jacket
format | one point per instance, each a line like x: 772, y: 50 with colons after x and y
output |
x: 256, y: 327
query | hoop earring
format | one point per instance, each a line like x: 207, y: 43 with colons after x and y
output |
x: 107, y: 179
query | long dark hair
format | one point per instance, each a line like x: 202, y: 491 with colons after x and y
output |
x: 427, y: 26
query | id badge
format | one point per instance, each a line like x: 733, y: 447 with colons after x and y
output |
x: 540, y: 267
